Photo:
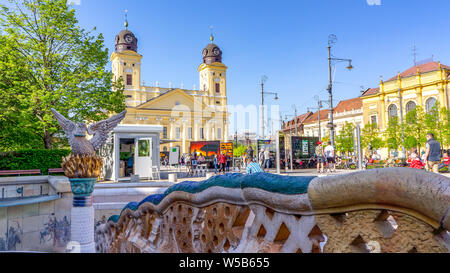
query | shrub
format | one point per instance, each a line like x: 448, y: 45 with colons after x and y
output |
x: 32, y: 159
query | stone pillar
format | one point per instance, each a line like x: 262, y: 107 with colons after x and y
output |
x: 383, y: 113
x: 82, y: 214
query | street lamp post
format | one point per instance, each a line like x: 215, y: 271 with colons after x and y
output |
x: 331, y: 40
x: 319, y: 106
x: 263, y: 80
x: 290, y: 140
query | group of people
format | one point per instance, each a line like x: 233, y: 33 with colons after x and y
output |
x: 325, y: 157
x: 431, y: 158
x: 221, y: 163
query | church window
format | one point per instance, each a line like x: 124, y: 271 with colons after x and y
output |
x: 430, y: 103
x: 392, y: 111
x: 129, y: 79
x: 217, y: 87
x: 410, y: 106
x: 373, y: 119
x: 217, y: 102
x: 202, y: 133
x: 177, y: 132
x: 125, y: 64
x: 164, y: 132
x: 190, y: 133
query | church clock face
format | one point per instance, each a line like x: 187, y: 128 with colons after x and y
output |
x: 216, y: 51
x: 205, y: 51
x: 128, y: 38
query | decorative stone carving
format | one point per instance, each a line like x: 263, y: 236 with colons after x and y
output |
x: 76, y: 132
x: 269, y: 213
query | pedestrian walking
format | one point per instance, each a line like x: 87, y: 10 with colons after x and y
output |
x: 216, y: 163
x: 223, y: 162
x: 266, y: 159
x: 261, y: 157
x: 320, y: 157
x: 432, y: 154
x: 329, y: 153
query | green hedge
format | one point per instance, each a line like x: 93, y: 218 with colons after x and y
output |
x: 32, y: 159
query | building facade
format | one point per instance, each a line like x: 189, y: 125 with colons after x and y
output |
x: 424, y: 84
x: 186, y: 115
x: 308, y: 124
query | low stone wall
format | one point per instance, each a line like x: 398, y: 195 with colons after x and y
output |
x: 35, y: 213
x: 383, y: 210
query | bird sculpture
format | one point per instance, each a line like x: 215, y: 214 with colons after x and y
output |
x: 76, y: 133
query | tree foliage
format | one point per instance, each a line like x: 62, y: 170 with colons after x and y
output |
x: 415, y: 131
x: 47, y: 60
x: 239, y: 150
x: 344, y: 140
x: 393, y: 134
x: 370, y: 137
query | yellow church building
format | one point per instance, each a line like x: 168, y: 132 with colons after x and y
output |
x: 186, y: 115
x: 423, y: 84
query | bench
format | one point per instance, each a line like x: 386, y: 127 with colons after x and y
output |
x: 57, y: 170
x: 19, y: 172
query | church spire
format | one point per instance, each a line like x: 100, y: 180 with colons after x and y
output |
x: 126, y: 19
x: 212, y: 36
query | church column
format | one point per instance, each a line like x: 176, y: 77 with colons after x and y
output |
x: 383, y: 111
x: 82, y: 215
x: 183, y: 138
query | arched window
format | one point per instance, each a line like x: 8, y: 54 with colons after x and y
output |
x: 410, y: 106
x: 392, y: 111
x: 430, y: 103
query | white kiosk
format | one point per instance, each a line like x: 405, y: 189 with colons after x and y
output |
x: 132, y: 150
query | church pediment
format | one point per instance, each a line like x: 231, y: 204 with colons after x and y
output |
x: 173, y: 99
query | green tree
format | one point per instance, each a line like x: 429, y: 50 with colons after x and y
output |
x: 239, y: 150
x: 445, y: 123
x: 393, y: 134
x: 370, y: 135
x: 344, y: 140
x: 47, y: 60
x: 415, y: 133
x: 432, y: 123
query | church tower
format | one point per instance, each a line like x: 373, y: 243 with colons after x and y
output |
x: 212, y: 72
x: 213, y: 85
x: 126, y: 63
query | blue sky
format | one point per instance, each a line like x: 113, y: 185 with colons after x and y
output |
x: 285, y: 40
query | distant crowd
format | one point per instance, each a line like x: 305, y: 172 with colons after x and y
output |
x: 325, y: 160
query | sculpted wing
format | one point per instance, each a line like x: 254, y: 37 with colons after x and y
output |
x: 67, y: 125
x: 101, y: 129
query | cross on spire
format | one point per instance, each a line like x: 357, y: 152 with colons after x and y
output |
x: 211, y: 37
x: 126, y: 19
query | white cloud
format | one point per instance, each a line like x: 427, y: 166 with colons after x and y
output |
x: 374, y: 2
x: 74, y: 2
